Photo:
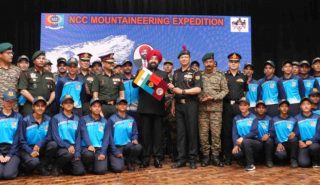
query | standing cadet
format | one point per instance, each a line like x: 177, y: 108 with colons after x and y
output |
x: 23, y: 62
x: 37, y: 82
x: 316, y: 68
x: 170, y: 125
x: 96, y: 68
x: 10, y: 122
x: 9, y: 73
x: 73, y: 84
x: 186, y: 86
x: 195, y: 65
x: 62, y: 68
x: 314, y: 96
x: 293, y: 88
x: 252, y: 94
x: 282, y: 130
x: 96, y: 138
x: 84, y: 72
x: 66, y: 133
x: 152, y: 112
x: 48, y: 66
x: 295, y: 68
x: 210, y: 110
x: 308, y: 81
x: 36, y: 149
x: 108, y: 87
x: 242, y: 135
x: 269, y: 89
x: 237, y: 85
x: 307, y: 131
x: 125, y: 134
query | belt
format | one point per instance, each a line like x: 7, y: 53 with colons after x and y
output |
x: 231, y: 102
x: 112, y: 102
x: 183, y: 101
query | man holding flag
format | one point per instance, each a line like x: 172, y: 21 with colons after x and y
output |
x: 153, y: 85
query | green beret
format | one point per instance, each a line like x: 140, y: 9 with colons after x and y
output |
x: 208, y: 56
x: 5, y: 46
x: 36, y: 54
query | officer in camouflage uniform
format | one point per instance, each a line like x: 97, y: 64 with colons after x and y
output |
x: 210, y: 110
x: 9, y: 73
x: 84, y: 59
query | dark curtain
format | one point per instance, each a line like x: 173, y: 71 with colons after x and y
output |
x: 281, y: 29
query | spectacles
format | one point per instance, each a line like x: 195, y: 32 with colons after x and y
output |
x: 9, y: 52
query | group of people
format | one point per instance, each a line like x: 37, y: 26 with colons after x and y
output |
x: 92, y: 118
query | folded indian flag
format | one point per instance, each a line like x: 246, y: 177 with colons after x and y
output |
x: 151, y: 83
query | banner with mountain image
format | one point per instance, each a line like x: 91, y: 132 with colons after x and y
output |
x: 131, y: 36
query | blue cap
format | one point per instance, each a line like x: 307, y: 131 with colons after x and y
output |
x: 94, y: 100
x: 39, y: 98
x: 9, y: 95
x: 72, y: 60
x: 260, y: 102
x: 67, y: 97
x: 284, y: 101
x: 314, y: 91
x: 122, y: 101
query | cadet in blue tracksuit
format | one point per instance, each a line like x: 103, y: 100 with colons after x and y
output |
x: 252, y: 94
x: 293, y: 86
x: 307, y: 131
x: 269, y: 90
x: 73, y: 85
x: 314, y: 96
x: 308, y: 81
x: 125, y: 134
x: 9, y: 136
x: 66, y: 134
x: 261, y: 128
x: 96, y: 138
x: 241, y: 131
x: 36, y: 148
x: 316, y: 68
x: 282, y: 130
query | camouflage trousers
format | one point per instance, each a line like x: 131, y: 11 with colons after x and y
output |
x: 210, y: 121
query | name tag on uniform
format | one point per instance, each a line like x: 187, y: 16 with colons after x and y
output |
x: 33, y: 75
x: 239, y: 80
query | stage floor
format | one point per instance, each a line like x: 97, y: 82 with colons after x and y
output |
x: 207, y: 175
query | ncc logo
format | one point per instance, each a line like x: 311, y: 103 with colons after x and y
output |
x: 54, y: 21
x: 239, y: 24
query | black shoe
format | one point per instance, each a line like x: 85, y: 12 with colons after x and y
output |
x: 315, y: 165
x: 193, y: 165
x: 144, y: 164
x: 250, y: 167
x: 44, y: 172
x: 269, y: 164
x: 227, y: 162
x: 55, y: 171
x: 157, y: 163
x: 178, y: 164
x: 294, y: 164
x: 216, y: 161
x: 205, y: 161
x: 131, y: 167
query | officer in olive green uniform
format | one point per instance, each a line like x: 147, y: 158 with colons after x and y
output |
x: 108, y: 87
x: 84, y: 59
x: 37, y: 82
x: 186, y: 86
x: 214, y: 89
